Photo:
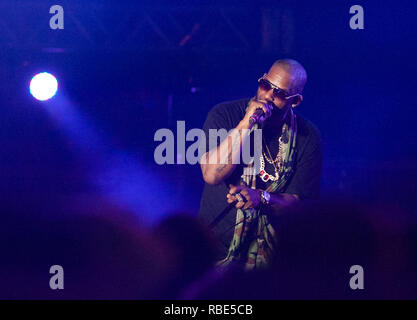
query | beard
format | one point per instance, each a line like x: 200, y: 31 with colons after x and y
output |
x: 277, y: 114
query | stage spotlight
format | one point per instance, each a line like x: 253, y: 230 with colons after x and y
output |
x: 43, y: 86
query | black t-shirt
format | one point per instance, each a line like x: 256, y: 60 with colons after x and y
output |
x: 305, y: 181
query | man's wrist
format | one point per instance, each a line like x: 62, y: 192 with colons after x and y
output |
x: 244, y: 124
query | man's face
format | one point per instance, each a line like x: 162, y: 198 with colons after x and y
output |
x: 281, y: 79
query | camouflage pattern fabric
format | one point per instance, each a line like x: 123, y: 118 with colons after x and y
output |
x: 254, y: 239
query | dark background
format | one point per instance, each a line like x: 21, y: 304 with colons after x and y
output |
x: 128, y: 68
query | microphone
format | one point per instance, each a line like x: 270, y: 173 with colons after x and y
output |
x: 254, y: 118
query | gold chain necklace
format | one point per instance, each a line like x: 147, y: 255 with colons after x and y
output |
x: 278, y: 158
x: 265, y: 176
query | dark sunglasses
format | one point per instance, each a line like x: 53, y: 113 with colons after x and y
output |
x: 278, y: 92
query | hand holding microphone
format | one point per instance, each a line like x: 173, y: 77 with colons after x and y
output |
x: 256, y: 116
x: 258, y: 111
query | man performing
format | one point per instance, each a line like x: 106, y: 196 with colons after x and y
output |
x: 236, y: 205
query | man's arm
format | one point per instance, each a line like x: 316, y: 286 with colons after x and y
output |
x: 282, y: 200
x: 219, y: 163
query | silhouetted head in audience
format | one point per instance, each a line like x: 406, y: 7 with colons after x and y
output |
x: 318, y: 244
x: 192, y: 246
x: 104, y: 256
x: 319, y: 248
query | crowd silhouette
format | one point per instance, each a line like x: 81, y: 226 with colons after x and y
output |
x: 108, y: 254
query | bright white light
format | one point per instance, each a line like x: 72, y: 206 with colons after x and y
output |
x: 43, y: 86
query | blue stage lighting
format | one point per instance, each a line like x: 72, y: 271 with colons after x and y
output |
x: 43, y: 86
